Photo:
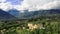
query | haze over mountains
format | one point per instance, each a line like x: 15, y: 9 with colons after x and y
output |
x: 28, y: 14
x: 15, y: 14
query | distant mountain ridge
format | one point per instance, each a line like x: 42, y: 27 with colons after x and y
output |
x: 6, y: 16
x: 15, y: 14
x: 27, y: 14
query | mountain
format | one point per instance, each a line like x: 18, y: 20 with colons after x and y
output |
x: 32, y: 14
x: 13, y: 12
x: 6, y: 16
x: 19, y: 14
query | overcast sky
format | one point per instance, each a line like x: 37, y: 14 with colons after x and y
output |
x: 30, y: 5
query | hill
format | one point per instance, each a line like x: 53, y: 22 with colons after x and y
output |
x: 6, y: 16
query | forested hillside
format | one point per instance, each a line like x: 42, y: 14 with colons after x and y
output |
x: 42, y: 25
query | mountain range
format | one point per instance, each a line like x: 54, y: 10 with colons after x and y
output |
x: 15, y: 14
x: 27, y: 14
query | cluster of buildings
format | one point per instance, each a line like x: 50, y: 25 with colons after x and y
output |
x: 35, y: 26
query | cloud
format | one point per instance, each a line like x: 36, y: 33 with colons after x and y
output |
x: 51, y: 5
x: 32, y: 5
x: 2, y: 0
x: 5, y: 6
x: 37, y: 4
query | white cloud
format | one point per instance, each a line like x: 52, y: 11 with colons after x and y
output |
x: 5, y: 6
x: 2, y: 0
x: 37, y: 4
x: 51, y: 5
x: 31, y: 5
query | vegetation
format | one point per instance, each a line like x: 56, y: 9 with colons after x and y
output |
x: 43, y: 25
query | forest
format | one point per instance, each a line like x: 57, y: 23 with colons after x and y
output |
x: 41, y: 25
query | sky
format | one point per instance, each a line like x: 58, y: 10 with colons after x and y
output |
x: 31, y: 5
x: 14, y: 2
